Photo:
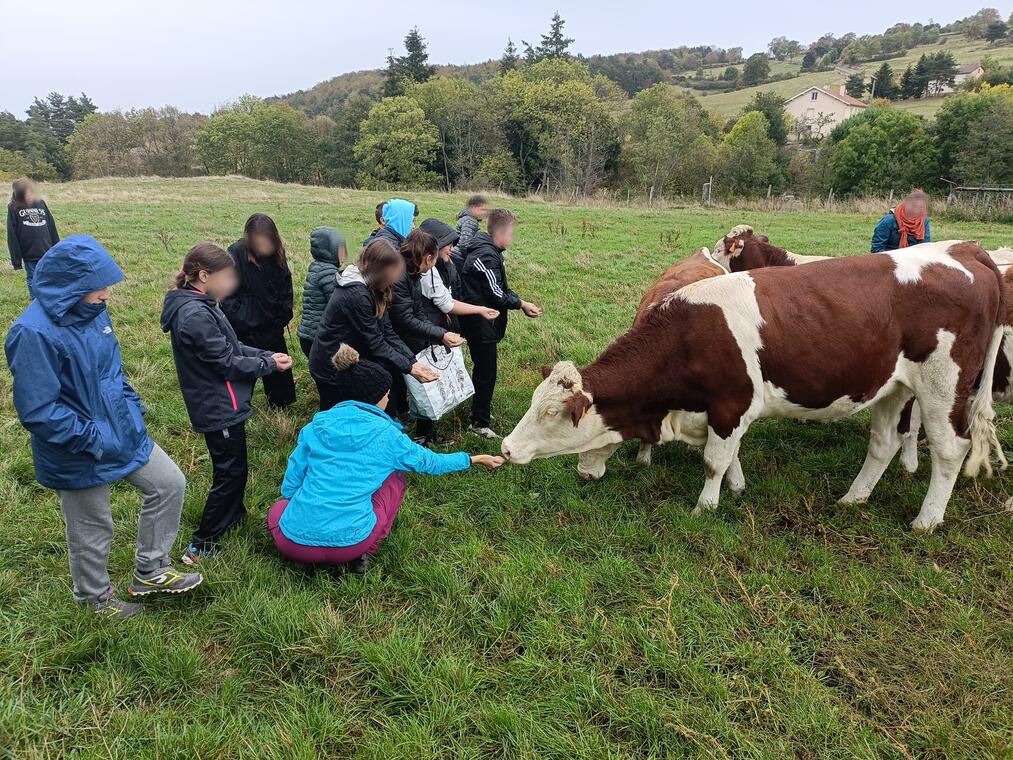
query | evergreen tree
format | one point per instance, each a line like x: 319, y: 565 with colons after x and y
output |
x: 412, y: 67
x: 882, y: 84
x: 510, y: 58
x: 940, y: 71
x: 855, y: 86
x: 809, y: 60
x: 554, y: 44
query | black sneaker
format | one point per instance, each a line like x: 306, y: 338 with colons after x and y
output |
x: 166, y: 579
x: 360, y: 565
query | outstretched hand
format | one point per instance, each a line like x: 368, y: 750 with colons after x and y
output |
x: 489, y: 313
x: 452, y: 340
x: 487, y: 460
x: 424, y: 373
x: 282, y: 362
x: 530, y: 309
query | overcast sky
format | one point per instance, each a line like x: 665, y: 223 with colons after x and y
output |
x: 196, y: 55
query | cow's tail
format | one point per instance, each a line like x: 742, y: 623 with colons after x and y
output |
x: 982, y: 417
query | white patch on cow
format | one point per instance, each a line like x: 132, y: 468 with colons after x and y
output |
x: 910, y: 262
x: 800, y: 258
x: 1003, y: 257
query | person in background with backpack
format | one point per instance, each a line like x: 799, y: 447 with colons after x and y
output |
x: 329, y: 254
x: 31, y: 230
x: 345, y: 481
x: 261, y: 307
x: 87, y: 427
x: 484, y: 281
x: 216, y: 375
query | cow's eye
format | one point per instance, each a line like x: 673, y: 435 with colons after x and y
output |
x: 551, y: 412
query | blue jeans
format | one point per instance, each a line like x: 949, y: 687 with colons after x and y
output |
x: 30, y: 275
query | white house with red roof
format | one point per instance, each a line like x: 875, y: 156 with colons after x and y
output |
x: 820, y: 108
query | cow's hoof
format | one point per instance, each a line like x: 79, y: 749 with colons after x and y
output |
x: 924, y: 527
x: 644, y: 457
x: 588, y: 477
x: 703, y: 506
x: 850, y: 501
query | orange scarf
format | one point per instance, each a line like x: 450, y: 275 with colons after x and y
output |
x: 907, y: 225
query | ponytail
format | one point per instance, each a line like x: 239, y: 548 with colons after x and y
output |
x: 203, y: 257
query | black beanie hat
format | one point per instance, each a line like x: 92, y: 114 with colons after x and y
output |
x: 368, y: 381
x: 443, y: 232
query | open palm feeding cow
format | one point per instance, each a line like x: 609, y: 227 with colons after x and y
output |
x: 821, y: 341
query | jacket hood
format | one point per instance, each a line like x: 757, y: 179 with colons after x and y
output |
x: 325, y: 243
x: 176, y: 299
x: 351, y: 425
x: 350, y: 276
x: 443, y: 232
x: 71, y: 269
x: 464, y: 212
x: 398, y: 215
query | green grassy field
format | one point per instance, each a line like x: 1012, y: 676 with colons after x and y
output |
x: 727, y: 104
x: 519, y: 613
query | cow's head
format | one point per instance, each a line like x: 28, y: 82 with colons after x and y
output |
x: 561, y: 420
x: 731, y: 245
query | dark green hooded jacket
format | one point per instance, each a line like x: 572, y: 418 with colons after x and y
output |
x: 326, y: 246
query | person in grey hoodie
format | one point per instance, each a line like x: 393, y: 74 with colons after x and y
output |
x: 329, y: 255
x: 468, y: 222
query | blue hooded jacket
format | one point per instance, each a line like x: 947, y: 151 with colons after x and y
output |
x: 342, y: 457
x: 69, y: 388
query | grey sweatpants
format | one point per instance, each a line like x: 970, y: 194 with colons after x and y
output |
x: 89, y: 522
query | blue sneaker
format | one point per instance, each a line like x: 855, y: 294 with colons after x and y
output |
x: 193, y: 556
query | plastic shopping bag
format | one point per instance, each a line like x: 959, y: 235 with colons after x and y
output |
x: 435, y: 399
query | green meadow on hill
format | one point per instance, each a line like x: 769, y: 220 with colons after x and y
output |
x: 519, y: 613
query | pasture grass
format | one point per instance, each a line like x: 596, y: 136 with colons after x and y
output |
x: 520, y: 613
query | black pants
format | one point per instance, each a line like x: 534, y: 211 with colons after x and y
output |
x: 483, y: 376
x: 279, y: 387
x: 224, y: 506
x: 306, y: 345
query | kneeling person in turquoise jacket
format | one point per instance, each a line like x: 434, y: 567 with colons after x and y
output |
x: 346, y: 480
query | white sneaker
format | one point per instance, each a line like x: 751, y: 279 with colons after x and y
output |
x: 484, y: 432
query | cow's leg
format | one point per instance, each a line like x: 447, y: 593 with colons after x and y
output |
x: 734, y: 477
x: 644, y: 453
x: 909, y: 438
x: 591, y: 464
x: 883, y: 444
x: 718, y: 455
x: 947, y: 451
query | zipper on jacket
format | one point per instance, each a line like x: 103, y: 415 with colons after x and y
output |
x: 232, y: 395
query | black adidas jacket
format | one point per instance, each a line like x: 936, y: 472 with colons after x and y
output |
x: 484, y: 282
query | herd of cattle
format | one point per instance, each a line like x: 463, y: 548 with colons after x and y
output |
x: 747, y: 332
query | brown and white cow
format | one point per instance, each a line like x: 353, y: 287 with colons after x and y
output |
x: 821, y: 341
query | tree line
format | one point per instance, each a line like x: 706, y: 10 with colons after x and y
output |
x: 545, y: 122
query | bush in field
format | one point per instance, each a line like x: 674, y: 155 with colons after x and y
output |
x: 882, y: 150
x: 974, y: 133
x: 15, y: 164
x: 397, y: 146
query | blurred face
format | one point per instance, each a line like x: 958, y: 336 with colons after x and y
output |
x: 29, y: 196
x: 444, y: 252
x: 479, y: 212
x: 916, y: 206
x: 393, y: 273
x: 219, y: 285
x: 382, y: 403
x: 504, y: 236
x: 262, y: 245
x: 97, y: 296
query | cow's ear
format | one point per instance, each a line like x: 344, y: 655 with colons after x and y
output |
x: 546, y: 371
x: 578, y: 404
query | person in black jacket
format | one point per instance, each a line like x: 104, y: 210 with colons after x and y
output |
x: 31, y: 230
x: 484, y: 281
x: 261, y: 308
x: 216, y: 376
x: 355, y: 337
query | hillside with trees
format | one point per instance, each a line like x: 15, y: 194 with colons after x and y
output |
x: 543, y: 120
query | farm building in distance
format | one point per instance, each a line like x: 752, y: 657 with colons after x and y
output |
x: 965, y: 71
x: 818, y: 109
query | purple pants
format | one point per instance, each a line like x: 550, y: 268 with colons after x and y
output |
x: 386, y: 503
